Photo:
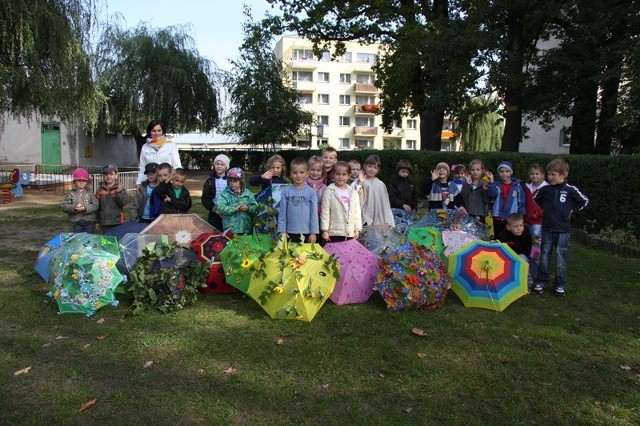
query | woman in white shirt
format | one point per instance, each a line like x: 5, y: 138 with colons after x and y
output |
x: 158, y: 149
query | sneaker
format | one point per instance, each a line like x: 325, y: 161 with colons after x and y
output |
x: 559, y: 292
x: 538, y: 289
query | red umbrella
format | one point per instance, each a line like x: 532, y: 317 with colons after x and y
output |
x: 358, y: 272
x: 208, y: 247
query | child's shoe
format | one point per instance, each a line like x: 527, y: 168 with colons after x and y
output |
x: 538, y: 289
x: 559, y: 292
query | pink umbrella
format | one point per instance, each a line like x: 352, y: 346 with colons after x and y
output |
x: 455, y: 240
x: 358, y: 273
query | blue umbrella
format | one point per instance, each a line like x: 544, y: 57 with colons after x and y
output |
x: 129, y: 227
x: 47, y: 251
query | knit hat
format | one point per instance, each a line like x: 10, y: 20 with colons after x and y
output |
x: 80, y: 174
x: 443, y: 165
x: 505, y: 165
x: 223, y: 158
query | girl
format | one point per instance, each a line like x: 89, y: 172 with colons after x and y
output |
x: 316, y: 178
x: 459, y: 175
x: 236, y: 203
x: 276, y: 170
x: 374, y: 196
x: 340, y: 218
x: 474, y: 195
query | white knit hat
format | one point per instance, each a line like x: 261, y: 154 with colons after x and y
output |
x: 223, y: 158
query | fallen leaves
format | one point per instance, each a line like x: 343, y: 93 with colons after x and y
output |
x: 147, y: 364
x: 280, y: 342
x: 86, y: 346
x: 100, y: 321
x: 101, y: 337
x: 88, y: 404
x: 23, y: 371
x: 421, y: 354
x: 230, y: 371
x: 418, y: 332
x: 625, y: 368
x: 61, y: 337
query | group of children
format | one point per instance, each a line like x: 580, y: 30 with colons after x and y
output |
x: 329, y: 200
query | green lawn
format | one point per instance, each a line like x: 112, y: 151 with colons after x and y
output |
x: 544, y: 360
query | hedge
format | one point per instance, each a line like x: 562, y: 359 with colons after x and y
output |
x: 611, y: 183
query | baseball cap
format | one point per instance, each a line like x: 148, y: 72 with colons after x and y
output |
x: 110, y: 168
x: 151, y: 168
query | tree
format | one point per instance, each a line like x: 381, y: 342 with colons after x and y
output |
x: 149, y: 74
x: 44, y: 67
x: 481, y: 125
x: 265, y: 110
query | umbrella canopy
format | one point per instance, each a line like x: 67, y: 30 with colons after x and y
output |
x: 240, y: 255
x: 403, y: 219
x: 358, y: 272
x: 129, y: 227
x: 131, y: 247
x: 294, y: 282
x: 268, y: 200
x: 381, y: 238
x: 488, y: 275
x: 412, y: 276
x: 455, y: 240
x: 208, y: 247
x: 454, y: 220
x: 46, y: 253
x: 180, y: 228
x: 84, y: 274
x: 427, y: 236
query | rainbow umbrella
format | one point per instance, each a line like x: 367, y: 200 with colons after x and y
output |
x: 488, y: 275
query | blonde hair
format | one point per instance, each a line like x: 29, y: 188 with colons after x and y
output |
x: 314, y: 159
x: 476, y: 161
x: 276, y: 158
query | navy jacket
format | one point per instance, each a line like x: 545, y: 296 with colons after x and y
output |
x: 558, y: 202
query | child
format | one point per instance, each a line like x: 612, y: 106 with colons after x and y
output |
x: 298, y: 211
x: 533, y: 219
x: 112, y: 198
x: 165, y: 171
x: 355, y: 171
x: 507, y: 196
x: 146, y: 205
x: 558, y: 200
x: 442, y: 194
x: 81, y: 204
x: 329, y: 158
x: 316, y: 177
x: 374, y: 197
x: 341, y: 218
x: 474, y: 195
x: 402, y: 190
x: 459, y: 175
x: 517, y: 236
x: 177, y: 199
x: 276, y: 170
x: 213, y: 187
x: 236, y: 204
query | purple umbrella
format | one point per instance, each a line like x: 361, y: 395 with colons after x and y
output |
x: 358, y: 273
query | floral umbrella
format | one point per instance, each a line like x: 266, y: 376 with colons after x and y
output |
x: 84, y: 274
x: 180, y: 228
x: 381, y: 238
x: 427, y: 236
x: 47, y: 251
x: 403, y: 219
x: 488, y: 275
x: 455, y: 240
x: 358, y: 272
x: 268, y: 201
x: 239, y: 256
x: 294, y: 282
x: 412, y: 276
x: 454, y: 220
x: 208, y: 247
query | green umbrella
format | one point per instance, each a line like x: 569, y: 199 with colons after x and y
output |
x: 239, y: 256
x: 429, y: 237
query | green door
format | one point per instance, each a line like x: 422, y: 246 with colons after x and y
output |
x: 51, y: 152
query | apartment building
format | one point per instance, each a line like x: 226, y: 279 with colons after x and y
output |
x: 343, y: 98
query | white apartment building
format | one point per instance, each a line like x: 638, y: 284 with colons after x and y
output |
x: 343, y: 98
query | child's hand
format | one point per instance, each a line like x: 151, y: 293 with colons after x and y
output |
x: 362, y: 176
x: 325, y: 235
x: 79, y: 207
x: 312, y: 238
x: 267, y: 175
x: 167, y: 199
x: 434, y: 174
x: 356, y: 234
x: 407, y: 207
x: 489, y: 175
x: 243, y: 207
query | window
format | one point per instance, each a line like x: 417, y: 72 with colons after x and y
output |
x: 305, y: 98
x: 364, y: 143
x: 345, y: 121
x: 323, y: 77
x: 344, y: 142
x: 412, y: 124
x: 323, y: 119
x: 347, y: 57
x: 345, y: 78
x: 301, y: 76
x: 326, y: 57
x: 323, y: 99
x: 345, y: 99
x: 368, y: 58
x: 300, y: 54
x: 361, y: 100
x: 565, y: 137
x: 365, y: 78
x: 364, y: 121
x: 411, y: 144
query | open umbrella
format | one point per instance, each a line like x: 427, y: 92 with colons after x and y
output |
x: 84, y: 274
x: 454, y: 220
x: 427, y: 236
x: 268, y: 200
x: 488, y: 275
x: 180, y: 228
x: 403, y: 219
x: 46, y: 253
x: 294, y: 282
x: 240, y: 255
x: 129, y: 227
x: 412, y: 276
x: 208, y: 247
x: 381, y: 238
x: 358, y: 272
x: 455, y: 240
x: 131, y: 247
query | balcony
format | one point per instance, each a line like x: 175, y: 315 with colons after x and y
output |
x: 365, y: 131
x: 304, y: 64
x: 365, y: 88
x: 366, y: 109
x: 304, y: 86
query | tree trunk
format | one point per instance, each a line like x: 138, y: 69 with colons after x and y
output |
x: 513, y: 92
x: 583, y: 126
x: 431, y: 130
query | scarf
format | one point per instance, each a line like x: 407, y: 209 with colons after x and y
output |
x: 156, y: 143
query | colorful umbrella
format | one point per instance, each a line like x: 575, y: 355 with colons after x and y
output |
x: 268, y: 200
x: 403, y: 219
x: 46, y: 253
x: 294, y: 282
x: 208, y: 247
x: 455, y: 240
x: 240, y: 255
x: 454, y: 220
x: 412, y: 276
x: 427, y: 236
x: 358, y: 272
x: 84, y: 274
x: 381, y: 238
x: 129, y: 227
x: 181, y: 228
x: 488, y: 275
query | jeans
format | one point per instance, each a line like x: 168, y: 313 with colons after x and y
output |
x: 561, y: 241
x: 529, y: 276
x: 88, y: 227
x: 536, y: 236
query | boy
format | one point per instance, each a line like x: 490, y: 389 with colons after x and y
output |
x: 355, y: 171
x: 533, y: 219
x: 236, y: 204
x: 298, y: 210
x: 177, y: 199
x: 507, y: 196
x: 213, y: 187
x: 558, y: 200
x: 80, y: 204
x: 112, y: 198
x: 165, y: 171
x: 146, y: 206
x: 329, y: 158
x: 402, y: 190
x: 517, y: 236
x: 441, y: 193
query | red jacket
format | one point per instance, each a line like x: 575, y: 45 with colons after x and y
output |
x: 534, y: 212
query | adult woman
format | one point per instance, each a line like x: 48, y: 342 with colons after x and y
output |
x: 158, y: 149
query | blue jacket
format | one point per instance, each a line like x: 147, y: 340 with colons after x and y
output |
x: 514, y: 203
x: 558, y: 202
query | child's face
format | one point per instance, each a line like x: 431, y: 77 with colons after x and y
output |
x: 152, y: 177
x: 329, y: 159
x: 461, y: 175
x: 536, y: 176
x: 164, y: 175
x: 178, y: 181
x: 556, y: 178
x: 315, y: 170
x: 277, y: 168
x: 371, y: 170
x: 109, y: 178
x: 355, y: 170
x: 80, y: 184
x: 234, y: 184
x: 443, y: 174
x: 505, y: 175
x: 340, y: 177
x: 516, y: 228
x: 403, y: 173
x: 299, y: 174
x: 476, y: 171
x: 220, y: 168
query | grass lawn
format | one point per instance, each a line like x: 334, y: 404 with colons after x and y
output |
x: 544, y: 360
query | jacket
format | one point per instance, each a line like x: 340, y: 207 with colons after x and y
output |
x: 177, y: 204
x: 334, y: 219
x: 87, y: 199
x: 402, y: 191
x: 167, y: 153
x: 112, y: 201
x: 256, y: 180
x: 558, y: 203
x: 239, y: 222
x: 520, y: 245
x: 514, y: 202
x: 534, y: 212
x: 140, y: 202
x: 434, y: 191
x: 474, y: 200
